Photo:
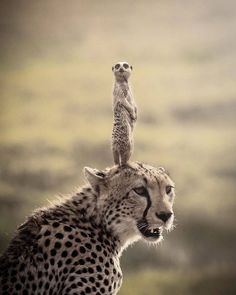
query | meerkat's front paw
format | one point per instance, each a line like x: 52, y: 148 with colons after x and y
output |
x: 134, y: 116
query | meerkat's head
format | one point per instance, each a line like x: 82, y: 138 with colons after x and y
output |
x: 122, y: 71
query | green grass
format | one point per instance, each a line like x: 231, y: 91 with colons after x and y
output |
x: 179, y: 283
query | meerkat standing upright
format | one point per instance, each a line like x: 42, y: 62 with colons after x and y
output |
x: 125, y: 114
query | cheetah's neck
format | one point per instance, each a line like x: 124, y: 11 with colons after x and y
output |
x: 87, y: 205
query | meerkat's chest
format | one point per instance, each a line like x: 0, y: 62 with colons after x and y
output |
x: 121, y: 116
x: 122, y: 91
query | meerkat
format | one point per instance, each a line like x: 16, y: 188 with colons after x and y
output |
x: 125, y: 114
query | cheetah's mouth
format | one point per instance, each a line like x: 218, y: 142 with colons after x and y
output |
x: 149, y: 231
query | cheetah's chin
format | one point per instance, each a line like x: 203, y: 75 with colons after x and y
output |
x: 151, y: 234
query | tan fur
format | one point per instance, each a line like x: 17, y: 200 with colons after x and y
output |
x: 72, y: 246
x: 125, y: 114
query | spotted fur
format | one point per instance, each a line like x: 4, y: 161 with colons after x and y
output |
x: 74, y: 247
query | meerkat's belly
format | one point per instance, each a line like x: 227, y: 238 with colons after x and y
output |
x: 124, y: 117
x: 122, y: 130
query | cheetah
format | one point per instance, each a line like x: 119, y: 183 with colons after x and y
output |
x: 125, y: 114
x: 74, y: 247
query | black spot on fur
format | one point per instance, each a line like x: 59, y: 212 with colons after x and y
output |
x: 59, y: 236
x: 47, y: 242
x: 68, y: 244
x: 74, y: 253
x: 53, y: 252
x: 64, y: 254
x: 67, y: 228
x: 82, y: 249
x: 47, y: 233
x: 56, y: 224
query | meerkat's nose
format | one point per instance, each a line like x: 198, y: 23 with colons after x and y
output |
x: 121, y: 70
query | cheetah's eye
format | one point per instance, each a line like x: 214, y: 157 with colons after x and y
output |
x: 169, y: 189
x: 117, y: 66
x: 126, y: 66
x: 140, y: 190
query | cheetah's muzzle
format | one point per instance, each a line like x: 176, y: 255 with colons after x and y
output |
x: 147, y: 231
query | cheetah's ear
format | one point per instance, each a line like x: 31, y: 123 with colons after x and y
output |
x: 94, y: 176
x: 162, y: 169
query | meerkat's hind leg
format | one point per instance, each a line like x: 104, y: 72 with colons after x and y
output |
x: 125, y: 158
x: 117, y: 157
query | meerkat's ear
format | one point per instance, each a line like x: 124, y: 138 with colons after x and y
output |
x: 131, y: 68
x: 112, y: 69
x: 94, y: 176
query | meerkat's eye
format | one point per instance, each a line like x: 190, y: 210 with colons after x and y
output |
x: 117, y: 66
x: 126, y: 66
x: 140, y: 190
x: 169, y: 189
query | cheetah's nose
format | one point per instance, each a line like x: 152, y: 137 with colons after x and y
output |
x: 164, y: 216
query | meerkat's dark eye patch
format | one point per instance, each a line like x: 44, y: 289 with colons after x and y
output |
x: 126, y: 66
x: 117, y: 66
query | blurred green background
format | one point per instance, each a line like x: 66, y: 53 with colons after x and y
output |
x: 56, y: 117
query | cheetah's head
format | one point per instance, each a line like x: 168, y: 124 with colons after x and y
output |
x: 122, y: 71
x: 135, y: 201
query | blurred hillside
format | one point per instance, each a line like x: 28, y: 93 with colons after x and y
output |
x: 56, y: 117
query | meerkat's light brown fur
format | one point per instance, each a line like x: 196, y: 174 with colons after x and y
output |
x: 125, y: 114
